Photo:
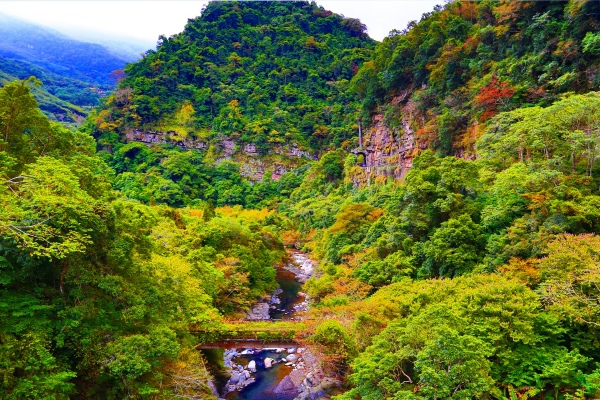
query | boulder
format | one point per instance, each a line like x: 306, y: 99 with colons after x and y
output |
x: 286, y: 386
x: 259, y: 311
x: 252, y: 366
x: 292, y: 357
x: 268, y: 362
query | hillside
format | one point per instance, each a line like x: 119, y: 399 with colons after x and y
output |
x: 75, y: 74
x: 453, y: 254
x: 262, y: 84
x: 260, y: 73
x: 57, y: 96
x: 57, y: 53
x: 436, y: 83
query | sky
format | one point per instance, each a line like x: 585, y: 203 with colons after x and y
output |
x: 146, y: 20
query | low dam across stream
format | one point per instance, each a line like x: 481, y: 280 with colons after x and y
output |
x: 261, y: 360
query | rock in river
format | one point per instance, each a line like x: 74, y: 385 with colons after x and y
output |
x: 268, y: 362
x: 260, y: 311
x: 252, y: 366
x: 286, y: 386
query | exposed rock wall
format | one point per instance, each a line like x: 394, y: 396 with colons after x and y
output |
x: 252, y: 164
x: 149, y: 138
x: 389, y: 151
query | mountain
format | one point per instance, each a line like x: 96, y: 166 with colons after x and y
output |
x: 57, y: 53
x: 75, y: 74
x: 128, y: 48
x: 438, y: 82
x: 63, y: 99
x: 260, y: 74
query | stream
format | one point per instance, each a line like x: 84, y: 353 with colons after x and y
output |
x: 267, y: 380
x: 246, y: 375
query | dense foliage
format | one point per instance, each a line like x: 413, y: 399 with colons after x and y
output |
x: 266, y: 73
x: 98, y: 290
x: 471, y: 277
x: 444, y: 76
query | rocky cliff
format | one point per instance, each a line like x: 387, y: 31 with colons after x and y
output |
x: 252, y: 164
x: 388, y: 149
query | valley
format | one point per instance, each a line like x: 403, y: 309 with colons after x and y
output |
x: 273, y: 205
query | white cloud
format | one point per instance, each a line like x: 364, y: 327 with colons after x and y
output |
x: 381, y: 16
x: 148, y: 19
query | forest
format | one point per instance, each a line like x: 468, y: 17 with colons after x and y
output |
x: 473, y: 276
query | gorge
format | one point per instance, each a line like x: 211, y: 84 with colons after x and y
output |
x: 415, y: 218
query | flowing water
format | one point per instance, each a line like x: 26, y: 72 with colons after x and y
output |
x: 292, y: 304
x: 290, y: 295
x: 266, y: 379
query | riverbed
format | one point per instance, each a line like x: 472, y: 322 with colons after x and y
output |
x: 280, y: 380
x: 267, y: 380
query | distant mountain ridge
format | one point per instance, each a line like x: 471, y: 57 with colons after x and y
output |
x: 58, y: 53
x: 75, y: 74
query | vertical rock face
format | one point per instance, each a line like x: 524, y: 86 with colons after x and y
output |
x: 150, y: 138
x: 253, y: 164
x: 390, y: 151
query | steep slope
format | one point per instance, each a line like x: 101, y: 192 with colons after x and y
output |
x: 265, y: 74
x: 436, y: 84
x: 57, y: 96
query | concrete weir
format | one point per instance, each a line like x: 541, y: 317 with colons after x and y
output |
x: 237, y: 344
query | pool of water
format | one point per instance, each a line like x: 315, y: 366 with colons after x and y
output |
x: 266, y: 379
x: 289, y: 297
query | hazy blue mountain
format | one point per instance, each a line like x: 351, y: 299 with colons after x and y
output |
x: 75, y: 74
x: 128, y: 48
x: 57, y: 53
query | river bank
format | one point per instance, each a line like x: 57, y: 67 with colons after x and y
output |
x: 278, y: 373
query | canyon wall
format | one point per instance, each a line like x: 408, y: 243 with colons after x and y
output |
x: 253, y: 165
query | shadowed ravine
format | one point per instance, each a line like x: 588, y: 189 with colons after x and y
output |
x: 288, y: 303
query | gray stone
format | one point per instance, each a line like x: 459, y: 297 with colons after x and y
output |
x: 268, y: 362
x: 286, y: 386
x: 260, y: 311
